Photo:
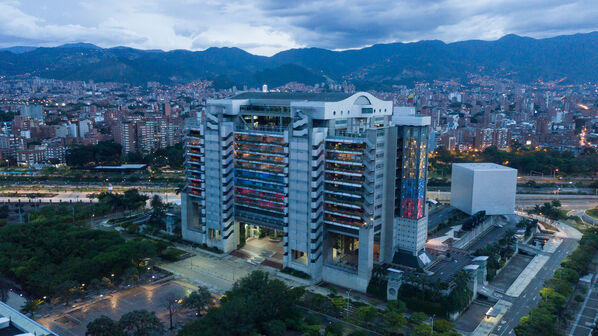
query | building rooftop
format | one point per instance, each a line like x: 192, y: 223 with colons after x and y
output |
x: 323, y: 97
x: 13, y: 323
x: 482, y: 166
x: 134, y: 166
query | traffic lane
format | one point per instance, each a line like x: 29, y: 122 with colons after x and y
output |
x: 530, y: 297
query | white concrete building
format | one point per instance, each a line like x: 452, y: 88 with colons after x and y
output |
x: 340, y: 175
x: 483, y: 186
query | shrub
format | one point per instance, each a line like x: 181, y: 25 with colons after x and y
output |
x: 419, y: 316
x: 443, y: 325
x: 275, y: 328
x: 335, y: 329
x: 396, y: 305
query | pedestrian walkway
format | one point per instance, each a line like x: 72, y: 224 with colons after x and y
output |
x: 552, y: 244
x: 527, y: 275
x: 219, y: 272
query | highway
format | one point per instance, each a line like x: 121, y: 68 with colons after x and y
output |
x: 569, y: 202
x: 78, y: 196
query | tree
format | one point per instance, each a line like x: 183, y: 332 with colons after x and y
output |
x: 133, y: 199
x: 31, y: 307
x: 275, y: 328
x: 171, y: 303
x: 103, y: 326
x: 251, y: 303
x: 358, y: 333
x: 158, y: 212
x: 335, y: 329
x: 95, y: 285
x: 140, y: 323
x: 395, y: 321
x: 397, y: 306
x: 198, y: 300
x: 419, y: 316
x: 423, y: 330
x: 443, y: 325
x: 367, y: 313
x: 66, y: 291
x: 4, y: 288
x: 105, y: 152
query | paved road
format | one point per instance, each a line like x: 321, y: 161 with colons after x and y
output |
x: 72, y: 321
x: 530, y: 297
x: 439, y: 215
x: 76, y: 196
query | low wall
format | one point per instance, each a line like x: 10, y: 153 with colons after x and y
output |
x: 345, y: 279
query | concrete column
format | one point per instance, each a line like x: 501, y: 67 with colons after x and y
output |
x: 482, y: 262
x: 473, y: 271
x: 366, y: 253
x: 190, y: 218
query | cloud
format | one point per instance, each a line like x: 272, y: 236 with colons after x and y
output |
x: 268, y: 26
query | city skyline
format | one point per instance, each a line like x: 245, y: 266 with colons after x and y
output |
x: 265, y: 27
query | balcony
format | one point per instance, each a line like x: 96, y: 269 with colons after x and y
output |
x: 344, y: 210
x: 251, y: 216
x: 259, y: 176
x: 260, y: 139
x: 343, y: 168
x: 334, y: 177
x: 259, y: 166
x: 344, y: 200
x: 341, y: 188
x: 261, y: 148
x: 259, y: 158
x: 261, y: 195
x: 349, y: 147
x: 259, y: 186
x: 259, y: 204
x: 344, y: 157
x: 337, y: 219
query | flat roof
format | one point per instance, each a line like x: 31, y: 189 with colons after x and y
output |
x: 124, y: 166
x: 482, y: 166
x: 323, y: 97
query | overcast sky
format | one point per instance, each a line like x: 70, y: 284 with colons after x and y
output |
x: 268, y: 26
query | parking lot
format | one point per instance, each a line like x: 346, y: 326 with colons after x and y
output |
x: 472, y: 316
x: 588, y: 314
x: 150, y: 297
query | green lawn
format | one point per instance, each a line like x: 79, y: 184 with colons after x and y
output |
x: 593, y: 212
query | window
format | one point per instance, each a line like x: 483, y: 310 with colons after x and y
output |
x: 213, y: 234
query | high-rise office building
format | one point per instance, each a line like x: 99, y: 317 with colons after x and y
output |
x: 340, y: 175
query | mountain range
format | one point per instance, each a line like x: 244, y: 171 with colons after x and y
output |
x: 568, y: 58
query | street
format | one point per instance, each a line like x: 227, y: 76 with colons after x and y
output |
x: 73, y: 320
x: 530, y: 297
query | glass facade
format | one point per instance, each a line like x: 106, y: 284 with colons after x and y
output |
x: 412, y: 149
x: 260, y: 171
x: 343, y: 187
